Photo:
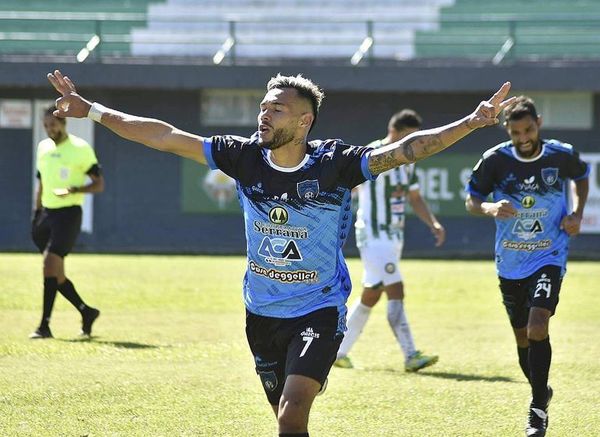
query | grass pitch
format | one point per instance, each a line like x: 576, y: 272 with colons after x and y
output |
x: 169, y: 356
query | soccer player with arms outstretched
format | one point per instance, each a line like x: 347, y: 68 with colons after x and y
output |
x: 295, y: 195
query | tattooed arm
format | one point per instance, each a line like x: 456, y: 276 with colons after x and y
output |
x: 422, y: 144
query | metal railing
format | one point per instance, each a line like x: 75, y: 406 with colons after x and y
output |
x: 513, y: 37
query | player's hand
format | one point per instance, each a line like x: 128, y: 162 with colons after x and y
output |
x: 439, y: 233
x: 502, y: 209
x: 488, y: 111
x: 70, y: 104
x: 571, y: 224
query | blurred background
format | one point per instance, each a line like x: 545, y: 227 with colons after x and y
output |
x: 202, y: 65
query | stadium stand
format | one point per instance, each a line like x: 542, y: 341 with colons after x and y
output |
x: 65, y: 26
x: 247, y: 31
x: 538, y: 28
x: 287, y: 28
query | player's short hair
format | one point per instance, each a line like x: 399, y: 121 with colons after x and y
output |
x: 50, y: 111
x: 522, y: 107
x: 407, y: 118
x: 306, y: 88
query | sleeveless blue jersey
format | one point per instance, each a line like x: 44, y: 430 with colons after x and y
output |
x: 296, y: 221
x: 538, y: 189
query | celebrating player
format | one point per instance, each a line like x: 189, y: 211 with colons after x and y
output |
x: 296, y: 200
x: 529, y: 179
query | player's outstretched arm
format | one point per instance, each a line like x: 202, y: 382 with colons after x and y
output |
x: 422, y: 144
x: 150, y: 132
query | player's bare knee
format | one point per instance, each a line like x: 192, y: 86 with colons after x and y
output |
x: 293, y: 414
x: 370, y: 296
x: 537, y: 330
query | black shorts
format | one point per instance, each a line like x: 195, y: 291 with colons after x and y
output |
x: 56, y: 230
x: 305, y: 345
x: 540, y: 289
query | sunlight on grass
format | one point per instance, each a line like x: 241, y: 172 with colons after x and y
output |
x: 169, y: 355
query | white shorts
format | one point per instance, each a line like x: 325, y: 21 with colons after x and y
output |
x: 380, y: 262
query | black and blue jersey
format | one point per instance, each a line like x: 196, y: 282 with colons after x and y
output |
x: 296, y: 220
x: 538, y: 189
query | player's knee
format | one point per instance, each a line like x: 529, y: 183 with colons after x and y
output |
x: 369, y: 300
x: 371, y: 295
x: 537, y: 330
x: 293, y: 414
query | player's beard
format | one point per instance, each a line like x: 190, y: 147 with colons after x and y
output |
x: 280, y: 137
x: 537, y: 144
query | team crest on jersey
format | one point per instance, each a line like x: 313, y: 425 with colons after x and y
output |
x: 308, y: 189
x: 278, y: 215
x: 550, y: 175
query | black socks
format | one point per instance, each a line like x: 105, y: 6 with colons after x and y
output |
x: 50, y: 287
x: 540, y: 355
x: 67, y: 289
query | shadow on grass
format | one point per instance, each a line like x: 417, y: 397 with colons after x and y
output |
x: 466, y: 377
x: 117, y: 344
x: 449, y: 375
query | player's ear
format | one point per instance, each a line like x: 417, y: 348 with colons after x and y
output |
x: 306, y: 119
x: 539, y: 121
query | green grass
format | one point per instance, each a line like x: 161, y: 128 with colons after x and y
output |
x: 170, y: 356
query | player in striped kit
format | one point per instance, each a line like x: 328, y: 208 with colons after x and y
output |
x: 379, y: 237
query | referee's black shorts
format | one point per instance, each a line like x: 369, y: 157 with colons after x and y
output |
x: 56, y: 230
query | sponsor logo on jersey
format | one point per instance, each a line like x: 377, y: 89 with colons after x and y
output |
x: 550, y: 175
x: 533, y: 214
x: 308, y: 189
x: 528, y: 201
x: 279, y: 251
x: 297, y: 233
x: 526, y: 246
x: 529, y: 184
x: 286, y: 277
x: 527, y: 229
x: 278, y: 215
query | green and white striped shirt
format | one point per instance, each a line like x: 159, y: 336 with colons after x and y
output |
x: 381, y: 203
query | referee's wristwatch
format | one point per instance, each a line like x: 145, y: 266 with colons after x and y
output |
x: 74, y: 189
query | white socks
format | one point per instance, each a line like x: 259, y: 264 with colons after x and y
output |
x: 399, y: 324
x: 357, y: 319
